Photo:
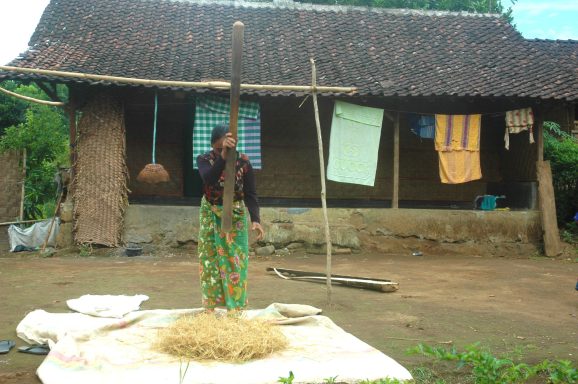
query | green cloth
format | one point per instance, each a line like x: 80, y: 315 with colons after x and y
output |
x: 354, y: 144
x: 213, y: 110
x: 223, y: 261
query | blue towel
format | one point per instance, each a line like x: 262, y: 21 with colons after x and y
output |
x: 422, y: 125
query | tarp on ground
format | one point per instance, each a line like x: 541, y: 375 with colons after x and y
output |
x: 33, y: 236
x: 91, y: 350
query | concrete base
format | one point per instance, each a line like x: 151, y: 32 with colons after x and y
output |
x: 384, y: 229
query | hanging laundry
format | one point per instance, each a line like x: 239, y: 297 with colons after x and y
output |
x: 457, y: 140
x: 422, y: 125
x: 211, y: 111
x: 354, y: 143
x: 458, y: 132
x: 456, y: 167
x: 517, y: 121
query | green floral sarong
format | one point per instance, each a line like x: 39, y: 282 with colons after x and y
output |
x: 223, y: 258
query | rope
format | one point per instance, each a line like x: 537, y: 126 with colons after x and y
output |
x: 31, y: 99
x: 155, y: 128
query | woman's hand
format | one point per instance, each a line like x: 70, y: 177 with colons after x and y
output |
x: 260, y: 231
x: 228, y: 142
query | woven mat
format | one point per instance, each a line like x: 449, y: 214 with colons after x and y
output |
x: 100, y: 185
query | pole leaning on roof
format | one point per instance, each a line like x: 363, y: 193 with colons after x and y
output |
x: 179, y: 84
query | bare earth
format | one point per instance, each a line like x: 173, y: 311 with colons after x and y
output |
x: 505, y: 303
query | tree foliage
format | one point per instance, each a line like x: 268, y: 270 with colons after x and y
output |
x: 43, y: 132
x: 475, y: 6
x: 12, y: 110
x: 561, y: 149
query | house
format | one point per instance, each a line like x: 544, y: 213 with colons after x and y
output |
x: 399, y: 60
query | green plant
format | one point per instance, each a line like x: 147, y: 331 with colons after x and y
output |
x: 426, y: 375
x: 85, y: 250
x: 42, y: 131
x: 570, y: 233
x: 486, y: 368
x: 559, y: 371
x: 561, y: 149
x: 330, y: 380
x: 287, y: 380
x: 385, y: 381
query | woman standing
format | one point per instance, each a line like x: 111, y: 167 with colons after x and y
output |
x: 223, y: 257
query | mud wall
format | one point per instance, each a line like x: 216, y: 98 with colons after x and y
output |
x: 388, y: 230
x: 10, y: 192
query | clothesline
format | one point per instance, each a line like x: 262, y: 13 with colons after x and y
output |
x: 500, y: 113
x: 434, y: 113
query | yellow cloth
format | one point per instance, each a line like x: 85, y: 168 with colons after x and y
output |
x: 458, y: 132
x: 459, y: 166
x: 457, y: 140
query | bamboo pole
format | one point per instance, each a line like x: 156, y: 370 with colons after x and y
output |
x: 229, y: 188
x: 52, y: 221
x: 21, y: 222
x: 181, y: 84
x: 322, y: 169
x: 395, y: 197
x: 31, y: 99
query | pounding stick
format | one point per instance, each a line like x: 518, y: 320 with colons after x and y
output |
x: 227, y: 218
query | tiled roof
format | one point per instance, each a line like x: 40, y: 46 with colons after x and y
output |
x: 382, y: 52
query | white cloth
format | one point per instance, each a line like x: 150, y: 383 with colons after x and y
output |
x: 33, y: 236
x: 517, y: 121
x: 91, y: 350
x: 106, y: 305
x: 354, y: 144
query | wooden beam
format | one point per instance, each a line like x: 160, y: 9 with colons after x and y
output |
x: 539, y: 132
x: 389, y: 116
x: 49, y: 91
x: 395, y: 195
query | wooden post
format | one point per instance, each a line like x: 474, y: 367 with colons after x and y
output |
x: 229, y: 189
x: 539, y: 131
x: 395, y: 195
x: 546, y: 198
x: 23, y: 189
x: 322, y: 169
x: 71, y: 108
x: 552, y: 246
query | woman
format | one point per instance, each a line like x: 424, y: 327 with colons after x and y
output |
x: 223, y: 257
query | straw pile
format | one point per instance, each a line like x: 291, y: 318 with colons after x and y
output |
x: 227, y: 338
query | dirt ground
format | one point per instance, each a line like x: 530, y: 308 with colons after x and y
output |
x: 504, y: 303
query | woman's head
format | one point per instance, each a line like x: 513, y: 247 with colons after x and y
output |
x: 217, y: 135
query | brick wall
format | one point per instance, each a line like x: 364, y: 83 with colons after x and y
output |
x: 10, y: 192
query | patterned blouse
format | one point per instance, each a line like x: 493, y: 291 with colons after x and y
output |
x: 212, y: 170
